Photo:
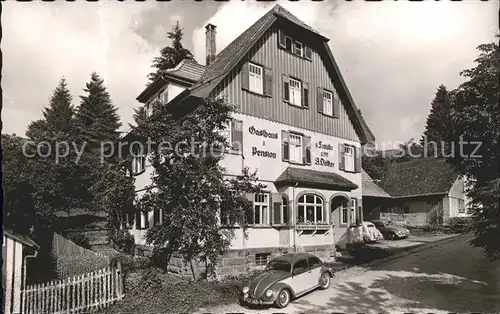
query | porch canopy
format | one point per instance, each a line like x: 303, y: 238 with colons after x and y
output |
x: 315, y: 179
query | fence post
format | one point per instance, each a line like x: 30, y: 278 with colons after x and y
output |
x: 119, y: 280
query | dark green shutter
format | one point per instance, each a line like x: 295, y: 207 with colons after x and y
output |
x: 305, y: 95
x: 307, y: 150
x: 268, y: 82
x: 281, y: 39
x: 336, y: 106
x: 307, y: 52
x: 286, y: 88
x: 341, y: 157
x: 285, y: 145
x: 237, y: 135
x: 276, y: 206
x: 245, y: 83
x: 319, y: 99
x: 357, y: 159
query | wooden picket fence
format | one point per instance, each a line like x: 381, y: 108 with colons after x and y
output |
x: 78, y: 294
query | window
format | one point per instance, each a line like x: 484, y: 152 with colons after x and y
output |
x: 296, y: 148
x: 300, y: 267
x: 226, y: 131
x: 148, y: 109
x: 461, y: 206
x: 353, y: 211
x: 298, y: 49
x: 295, y: 89
x: 310, y: 210
x: 261, y: 259
x: 164, y: 96
x: 313, y: 262
x: 327, y: 103
x: 256, y: 78
x: 261, y: 209
x: 344, y: 212
x: 348, y: 158
x: 138, y: 164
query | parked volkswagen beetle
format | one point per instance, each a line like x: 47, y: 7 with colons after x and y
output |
x: 391, y: 231
x: 370, y: 233
x: 287, y: 277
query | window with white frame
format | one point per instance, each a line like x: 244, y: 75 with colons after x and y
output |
x: 148, y: 109
x: 349, y: 158
x: 327, y: 103
x: 298, y: 48
x: 310, y: 210
x: 255, y: 81
x: 138, y: 164
x: 461, y: 206
x: 344, y: 212
x: 296, y: 148
x: 261, y: 209
x: 225, y: 131
x: 295, y: 92
x: 284, y: 209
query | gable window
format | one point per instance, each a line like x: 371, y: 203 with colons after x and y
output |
x: 261, y: 208
x: 293, y: 46
x: 310, y: 210
x: 295, y: 148
x: 295, y: 90
x: 256, y: 82
x: 327, y: 103
x: 138, y: 164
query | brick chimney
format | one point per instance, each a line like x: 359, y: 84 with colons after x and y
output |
x: 210, y: 43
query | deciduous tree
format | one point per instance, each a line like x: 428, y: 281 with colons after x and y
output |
x: 190, y: 186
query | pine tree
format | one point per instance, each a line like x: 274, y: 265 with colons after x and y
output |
x: 97, y: 119
x: 439, y: 127
x: 170, y: 56
x: 58, y: 116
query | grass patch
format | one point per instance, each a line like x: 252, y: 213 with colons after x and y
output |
x: 151, y: 290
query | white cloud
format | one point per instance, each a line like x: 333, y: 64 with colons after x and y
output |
x: 43, y: 42
x: 393, y: 55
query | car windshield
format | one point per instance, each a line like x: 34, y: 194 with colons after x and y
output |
x: 279, y: 265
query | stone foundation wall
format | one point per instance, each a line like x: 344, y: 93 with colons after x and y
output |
x: 239, y: 262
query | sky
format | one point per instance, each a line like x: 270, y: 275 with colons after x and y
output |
x: 392, y: 55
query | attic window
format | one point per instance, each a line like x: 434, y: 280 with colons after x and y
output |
x: 298, y: 49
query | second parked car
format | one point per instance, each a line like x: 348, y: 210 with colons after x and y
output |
x: 370, y: 233
x: 391, y: 231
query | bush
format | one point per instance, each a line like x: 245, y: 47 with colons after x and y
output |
x: 460, y: 224
x: 123, y: 241
x: 79, y: 239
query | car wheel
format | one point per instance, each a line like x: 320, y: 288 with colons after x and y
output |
x: 392, y: 236
x: 324, y: 281
x: 283, y: 298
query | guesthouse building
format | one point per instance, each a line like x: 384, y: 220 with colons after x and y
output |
x: 296, y: 124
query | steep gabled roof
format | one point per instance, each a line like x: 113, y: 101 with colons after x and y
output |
x: 419, y: 177
x: 370, y: 188
x: 229, y: 57
x: 21, y: 238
